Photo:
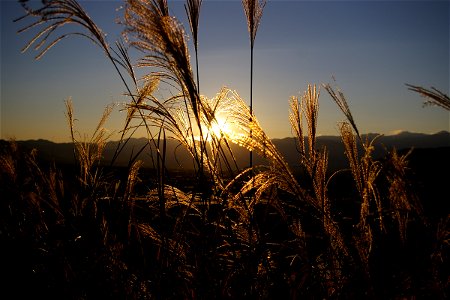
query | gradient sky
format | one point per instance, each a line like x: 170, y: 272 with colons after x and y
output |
x: 372, y: 48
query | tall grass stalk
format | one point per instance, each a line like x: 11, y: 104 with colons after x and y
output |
x: 366, y: 171
x: 315, y: 162
x: 162, y: 39
x: 253, y: 11
x: 89, y: 152
x: 192, y: 8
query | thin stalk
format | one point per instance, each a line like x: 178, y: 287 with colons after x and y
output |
x: 192, y: 8
x: 197, y: 68
x: 251, y: 104
x: 253, y: 11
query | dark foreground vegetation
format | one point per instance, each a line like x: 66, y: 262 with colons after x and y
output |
x: 378, y: 228
x: 63, y: 239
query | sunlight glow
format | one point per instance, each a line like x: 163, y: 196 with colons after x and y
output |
x: 230, y: 120
x: 218, y: 129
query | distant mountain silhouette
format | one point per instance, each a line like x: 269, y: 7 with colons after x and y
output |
x: 177, y: 157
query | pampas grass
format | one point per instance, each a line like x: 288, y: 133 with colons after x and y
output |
x: 259, y: 232
x: 192, y: 8
x: 253, y: 11
x: 88, y: 151
x: 433, y: 96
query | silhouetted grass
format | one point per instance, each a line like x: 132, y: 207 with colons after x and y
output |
x: 262, y: 232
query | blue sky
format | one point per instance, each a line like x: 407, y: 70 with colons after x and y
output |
x: 372, y: 48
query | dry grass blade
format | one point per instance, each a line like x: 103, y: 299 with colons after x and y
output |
x: 161, y: 6
x: 124, y: 60
x: 433, y: 96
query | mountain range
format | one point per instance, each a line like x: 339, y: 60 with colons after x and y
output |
x: 178, y: 158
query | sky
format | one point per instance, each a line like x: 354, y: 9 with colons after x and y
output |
x: 371, y: 48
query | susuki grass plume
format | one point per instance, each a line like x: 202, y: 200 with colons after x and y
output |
x: 89, y: 152
x: 365, y: 171
x: 305, y: 109
x: 402, y: 200
x: 339, y: 98
x: 163, y: 42
x: 55, y: 14
x: 433, y: 96
x: 253, y: 11
x: 315, y: 162
x: 162, y: 39
x: 192, y: 8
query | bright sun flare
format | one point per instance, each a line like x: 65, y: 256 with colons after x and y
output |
x: 218, y: 129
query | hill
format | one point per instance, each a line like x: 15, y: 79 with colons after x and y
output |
x: 63, y: 152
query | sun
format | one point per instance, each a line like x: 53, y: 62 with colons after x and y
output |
x: 218, y: 129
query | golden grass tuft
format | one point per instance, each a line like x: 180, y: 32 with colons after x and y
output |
x: 89, y: 151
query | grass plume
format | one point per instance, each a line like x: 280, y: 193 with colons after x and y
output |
x: 253, y: 11
x: 89, y: 152
x: 433, y: 96
x: 192, y: 8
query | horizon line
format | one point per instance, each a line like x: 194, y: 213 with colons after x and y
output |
x: 394, y: 133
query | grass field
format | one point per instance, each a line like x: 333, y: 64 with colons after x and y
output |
x: 90, y: 231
